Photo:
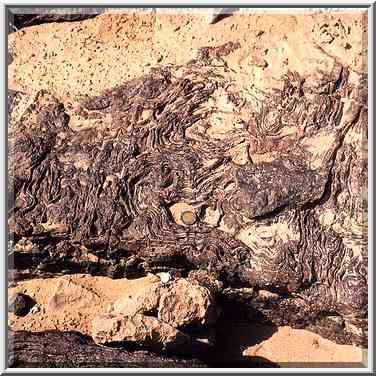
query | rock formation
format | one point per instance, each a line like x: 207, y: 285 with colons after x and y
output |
x: 182, y: 171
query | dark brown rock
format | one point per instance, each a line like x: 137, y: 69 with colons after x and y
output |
x: 72, y: 350
x: 20, y: 304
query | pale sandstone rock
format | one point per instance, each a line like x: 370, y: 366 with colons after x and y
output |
x: 68, y: 294
x: 140, y: 301
x: 187, y: 303
x: 140, y: 329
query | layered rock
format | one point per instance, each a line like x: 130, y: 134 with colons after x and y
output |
x: 72, y: 350
x: 287, y: 217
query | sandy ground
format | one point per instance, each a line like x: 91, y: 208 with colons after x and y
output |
x: 73, y: 60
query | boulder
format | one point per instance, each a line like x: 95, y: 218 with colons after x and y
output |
x: 186, y: 303
x: 139, y: 329
x: 141, y: 301
x: 20, y: 304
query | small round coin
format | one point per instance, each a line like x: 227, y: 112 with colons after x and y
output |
x: 188, y: 217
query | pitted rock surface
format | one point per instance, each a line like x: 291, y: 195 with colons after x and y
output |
x: 187, y: 303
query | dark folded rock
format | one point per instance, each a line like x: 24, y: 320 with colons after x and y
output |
x: 19, y: 21
x: 55, y: 349
x: 97, y: 198
x: 20, y: 304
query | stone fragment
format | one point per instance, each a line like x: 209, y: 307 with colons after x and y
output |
x: 140, y: 301
x: 187, y: 303
x: 139, y: 329
x: 20, y: 304
x: 165, y: 277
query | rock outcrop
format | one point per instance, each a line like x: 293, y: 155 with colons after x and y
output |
x: 187, y: 303
x: 140, y: 330
x: 275, y: 179
x: 144, y: 301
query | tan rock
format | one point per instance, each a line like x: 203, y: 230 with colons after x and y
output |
x: 68, y: 294
x: 187, y: 303
x: 91, y: 296
x: 140, y: 329
x: 140, y: 301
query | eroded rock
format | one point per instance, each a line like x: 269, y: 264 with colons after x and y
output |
x: 138, y: 329
x: 204, y: 278
x: 187, y: 303
x: 141, y: 301
x: 20, y: 304
x: 124, y: 172
x: 70, y: 349
x: 68, y: 294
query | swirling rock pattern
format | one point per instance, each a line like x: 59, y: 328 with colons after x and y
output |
x: 290, y: 215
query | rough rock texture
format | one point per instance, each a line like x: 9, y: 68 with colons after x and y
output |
x: 71, y: 349
x: 187, y: 303
x: 204, y: 278
x: 277, y: 173
x: 146, y: 301
x: 139, y: 329
x: 68, y: 293
x: 71, y: 303
x: 20, y: 304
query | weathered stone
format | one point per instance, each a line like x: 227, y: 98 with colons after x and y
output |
x: 187, y: 303
x: 68, y: 293
x: 140, y: 301
x: 291, y: 215
x: 204, y: 278
x: 21, y: 304
x: 139, y: 329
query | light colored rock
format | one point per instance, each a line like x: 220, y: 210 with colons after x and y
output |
x: 178, y: 209
x: 140, y: 329
x: 187, y: 303
x: 68, y: 311
x: 68, y: 294
x: 165, y: 277
x: 140, y: 301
